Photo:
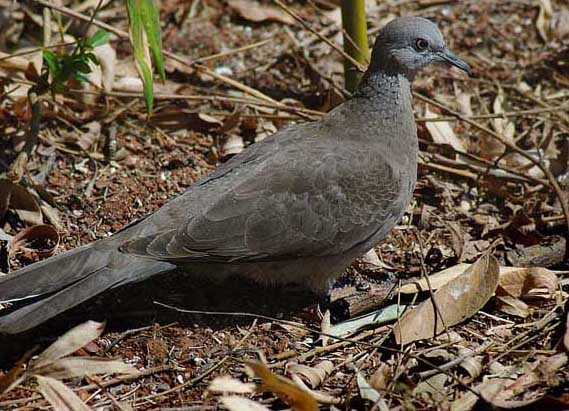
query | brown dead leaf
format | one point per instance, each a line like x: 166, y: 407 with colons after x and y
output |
x: 472, y: 364
x: 501, y: 392
x: 439, y: 279
x: 512, y: 305
x: 543, y: 22
x: 442, y: 132
x: 256, y: 12
x: 297, y: 398
x: 235, y: 403
x: 40, y: 239
x: 227, y: 384
x: 326, y: 328
x: 21, y: 201
x: 54, y: 364
x: 69, y: 342
x: 231, y: 122
x: 233, y: 145
x: 313, y: 375
x: 88, y: 138
x: 436, y: 280
x: 520, y: 282
x: 15, y: 375
x: 59, y: 395
x: 379, y: 380
x: 457, y: 300
x: 72, y: 367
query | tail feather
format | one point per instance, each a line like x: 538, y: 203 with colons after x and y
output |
x: 67, y: 280
x: 52, y: 274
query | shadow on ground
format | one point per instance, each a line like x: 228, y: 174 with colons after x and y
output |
x: 133, y: 306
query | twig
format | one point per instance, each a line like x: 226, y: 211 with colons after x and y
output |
x: 549, y: 175
x: 118, y: 380
x: 457, y: 360
x: 123, y: 34
x: 233, y: 51
x: 518, y: 113
x: 200, y: 377
x: 320, y: 36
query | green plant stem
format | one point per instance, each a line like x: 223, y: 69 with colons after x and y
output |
x: 355, y: 40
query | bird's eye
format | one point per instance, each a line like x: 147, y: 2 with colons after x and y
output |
x: 421, y: 44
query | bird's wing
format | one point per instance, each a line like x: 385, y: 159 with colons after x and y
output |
x: 289, y: 197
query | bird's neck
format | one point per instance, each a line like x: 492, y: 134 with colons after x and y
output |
x: 385, y: 93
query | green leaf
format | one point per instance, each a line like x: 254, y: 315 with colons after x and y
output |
x: 80, y: 66
x: 141, y: 55
x: 148, y: 86
x: 145, y: 37
x: 151, y: 22
x: 52, y: 62
x: 98, y: 39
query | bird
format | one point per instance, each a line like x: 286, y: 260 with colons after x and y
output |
x: 297, y: 207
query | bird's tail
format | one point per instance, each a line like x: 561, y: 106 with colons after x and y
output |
x: 65, y: 280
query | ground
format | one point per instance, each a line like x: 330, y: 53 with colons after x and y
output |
x: 100, y: 164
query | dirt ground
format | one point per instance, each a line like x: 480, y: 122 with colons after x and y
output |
x: 100, y: 164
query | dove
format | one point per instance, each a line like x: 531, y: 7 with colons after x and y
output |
x: 297, y: 207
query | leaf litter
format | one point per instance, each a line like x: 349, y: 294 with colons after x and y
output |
x: 510, y: 353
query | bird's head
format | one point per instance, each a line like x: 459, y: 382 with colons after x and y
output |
x: 407, y: 44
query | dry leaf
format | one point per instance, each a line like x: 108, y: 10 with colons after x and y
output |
x: 457, y: 300
x: 543, y: 22
x: 464, y: 100
x: 436, y: 280
x: 501, y: 391
x: 16, y: 375
x: 518, y: 283
x: 442, y: 132
x: 465, y: 401
x: 512, y: 305
x: 297, y: 398
x: 521, y: 281
x: 472, y: 364
x: 107, y: 57
x: 72, y: 367
x: 22, y: 201
x: 59, y: 395
x: 432, y: 385
x: 44, y: 238
x: 256, y: 12
x: 313, y: 375
x: 381, y: 377
x: 439, y: 279
x: 233, y: 145
x: 227, y: 384
x: 367, y: 392
x: 503, y: 126
x: 68, y: 343
x: 231, y: 122
x: 86, y: 139
x: 51, y: 365
x: 234, y: 403
x: 326, y: 328
x: 319, y: 396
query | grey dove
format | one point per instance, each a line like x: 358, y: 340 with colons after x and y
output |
x: 297, y: 207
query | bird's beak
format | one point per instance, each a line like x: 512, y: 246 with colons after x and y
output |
x: 452, y: 59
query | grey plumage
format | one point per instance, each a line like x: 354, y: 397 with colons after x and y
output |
x: 296, y: 207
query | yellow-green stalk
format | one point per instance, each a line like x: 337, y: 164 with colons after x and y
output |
x: 355, y: 39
